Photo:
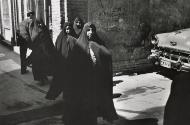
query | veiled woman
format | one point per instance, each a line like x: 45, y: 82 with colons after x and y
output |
x: 78, y: 26
x: 61, y: 40
x: 102, y: 69
x: 84, y: 99
x: 43, y: 51
x: 62, y: 52
x: 74, y: 82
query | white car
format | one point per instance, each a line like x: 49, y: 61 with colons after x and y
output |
x: 172, y: 50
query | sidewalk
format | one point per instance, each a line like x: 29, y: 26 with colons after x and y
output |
x: 22, y: 99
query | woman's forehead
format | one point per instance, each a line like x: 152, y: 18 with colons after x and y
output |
x: 77, y: 20
x: 91, y: 26
x: 88, y: 29
x: 87, y: 25
x: 68, y: 26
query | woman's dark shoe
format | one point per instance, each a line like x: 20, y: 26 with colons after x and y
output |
x: 24, y: 72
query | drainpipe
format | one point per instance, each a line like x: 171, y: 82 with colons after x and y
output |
x: 66, y: 10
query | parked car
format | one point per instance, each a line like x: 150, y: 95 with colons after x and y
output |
x: 172, y: 50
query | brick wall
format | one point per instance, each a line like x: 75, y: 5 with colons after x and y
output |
x: 75, y: 8
x: 78, y: 8
x: 118, y: 25
x: 128, y: 24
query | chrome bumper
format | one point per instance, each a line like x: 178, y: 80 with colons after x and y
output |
x: 158, y: 60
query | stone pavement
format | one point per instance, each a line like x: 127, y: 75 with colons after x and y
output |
x: 22, y: 101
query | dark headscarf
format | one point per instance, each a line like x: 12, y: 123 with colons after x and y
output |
x: 60, y: 43
x: 43, y: 50
x: 37, y: 27
x: 95, y: 36
x: 76, y: 29
x: 40, y: 35
x: 83, y: 39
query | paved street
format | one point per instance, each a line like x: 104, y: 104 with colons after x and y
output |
x: 143, y: 96
x: 22, y: 102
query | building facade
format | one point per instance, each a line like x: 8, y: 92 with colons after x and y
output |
x: 54, y: 13
x: 124, y: 25
x: 12, y: 12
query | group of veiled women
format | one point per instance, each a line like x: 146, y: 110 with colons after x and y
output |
x: 81, y: 67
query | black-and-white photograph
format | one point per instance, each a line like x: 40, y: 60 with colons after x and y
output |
x: 94, y: 62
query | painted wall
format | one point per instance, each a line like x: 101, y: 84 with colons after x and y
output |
x: 128, y: 24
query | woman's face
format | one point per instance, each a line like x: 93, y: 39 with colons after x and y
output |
x: 68, y: 29
x: 78, y: 24
x: 89, y: 33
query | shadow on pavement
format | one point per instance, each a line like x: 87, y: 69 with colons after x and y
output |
x: 48, y: 115
x: 115, y: 82
x: 53, y: 110
x: 151, y: 116
x: 34, y: 114
x: 22, y: 100
x: 149, y: 69
x: 145, y: 121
